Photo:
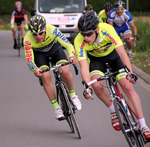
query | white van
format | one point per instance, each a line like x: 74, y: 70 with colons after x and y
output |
x: 64, y: 14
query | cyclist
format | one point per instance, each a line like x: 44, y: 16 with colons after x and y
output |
x: 42, y: 42
x: 103, y: 14
x: 88, y: 8
x: 120, y: 18
x: 18, y: 18
x: 101, y: 44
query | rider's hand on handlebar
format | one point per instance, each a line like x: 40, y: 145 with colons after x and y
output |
x: 37, y: 72
x: 135, y: 37
x: 12, y: 27
x: 73, y: 59
x: 88, y: 94
x: 26, y: 27
x: 133, y: 79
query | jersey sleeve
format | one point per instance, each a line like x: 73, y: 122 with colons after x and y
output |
x: 29, y: 55
x: 129, y: 17
x: 79, y: 47
x: 64, y: 41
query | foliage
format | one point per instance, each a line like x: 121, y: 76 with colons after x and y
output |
x: 142, y: 61
x: 7, y: 6
x: 143, y: 44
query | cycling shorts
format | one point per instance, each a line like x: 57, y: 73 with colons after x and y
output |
x: 97, y: 65
x: 125, y: 29
x: 55, y: 55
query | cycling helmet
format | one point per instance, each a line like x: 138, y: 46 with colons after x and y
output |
x: 37, y: 23
x: 88, y: 8
x: 119, y: 4
x: 88, y: 21
x: 108, y: 6
x: 18, y: 4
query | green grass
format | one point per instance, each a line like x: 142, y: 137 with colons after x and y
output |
x: 142, y: 61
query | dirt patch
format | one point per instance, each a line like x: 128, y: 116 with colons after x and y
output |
x: 142, y: 18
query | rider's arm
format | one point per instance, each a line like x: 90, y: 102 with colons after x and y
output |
x: 100, y: 15
x: 29, y: 55
x: 132, y: 24
x: 26, y: 19
x: 12, y: 18
x: 124, y: 57
x: 84, y: 69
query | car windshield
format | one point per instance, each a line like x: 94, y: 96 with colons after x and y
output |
x: 59, y: 6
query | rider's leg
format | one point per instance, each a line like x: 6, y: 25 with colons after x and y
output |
x: 68, y: 79
x: 134, y: 100
x: 103, y: 95
x: 129, y: 41
x: 100, y: 91
x: 129, y: 44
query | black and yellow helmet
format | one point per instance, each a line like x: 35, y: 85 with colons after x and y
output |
x: 37, y: 23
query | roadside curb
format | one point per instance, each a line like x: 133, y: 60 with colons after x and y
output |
x: 141, y: 74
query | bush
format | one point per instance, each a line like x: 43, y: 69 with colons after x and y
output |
x: 143, y: 44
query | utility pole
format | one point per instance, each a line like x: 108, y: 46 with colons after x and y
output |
x: 127, y: 5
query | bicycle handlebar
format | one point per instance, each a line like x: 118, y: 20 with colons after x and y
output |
x: 106, y: 76
x: 56, y: 67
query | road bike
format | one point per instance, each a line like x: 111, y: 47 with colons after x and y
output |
x: 18, y: 39
x: 126, y: 116
x: 63, y: 97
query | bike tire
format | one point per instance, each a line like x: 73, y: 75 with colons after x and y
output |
x: 125, y: 124
x: 18, y: 52
x: 62, y: 102
x: 18, y: 43
x: 68, y: 111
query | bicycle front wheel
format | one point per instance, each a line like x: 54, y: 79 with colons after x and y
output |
x: 68, y: 108
x: 126, y: 126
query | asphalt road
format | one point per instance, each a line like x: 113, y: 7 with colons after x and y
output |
x: 27, y: 117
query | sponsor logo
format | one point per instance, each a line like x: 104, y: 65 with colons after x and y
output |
x: 105, y: 33
x: 60, y: 35
x: 81, y: 50
x: 28, y: 51
x: 31, y: 65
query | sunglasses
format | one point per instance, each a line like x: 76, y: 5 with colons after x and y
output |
x: 117, y: 9
x: 88, y: 34
x: 40, y: 33
x: 18, y: 6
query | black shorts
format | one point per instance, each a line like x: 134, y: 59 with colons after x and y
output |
x: 99, y: 63
x: 54, y: 55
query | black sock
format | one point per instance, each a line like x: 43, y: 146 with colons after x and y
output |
x: 15, y: 41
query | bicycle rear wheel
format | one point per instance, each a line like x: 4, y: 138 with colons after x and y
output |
x: 68, y: 108
x: 126, y: 126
